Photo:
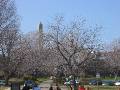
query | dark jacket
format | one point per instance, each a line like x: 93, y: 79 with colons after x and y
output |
x: 51, y: 88
x: 25, y: 88
x: 58, y: 88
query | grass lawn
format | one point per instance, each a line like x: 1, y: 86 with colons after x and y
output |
x: 106, y: 78
x: 40, y: 80
x: 104, y: 87
x: 21, y: 81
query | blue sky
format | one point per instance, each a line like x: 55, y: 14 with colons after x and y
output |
x: 101, y: 12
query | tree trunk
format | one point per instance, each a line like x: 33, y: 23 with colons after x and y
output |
x: 7, y: 76
x: 116, y: 74
x: 7, y: 79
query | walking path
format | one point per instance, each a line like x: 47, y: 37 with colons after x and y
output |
x: 46, y: 85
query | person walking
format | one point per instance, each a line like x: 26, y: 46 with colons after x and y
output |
x: 25, y: 87
x: 51, y: 87
x: 36, y: 87
x: 58, y: 88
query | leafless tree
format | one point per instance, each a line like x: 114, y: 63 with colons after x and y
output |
x: 74, y: 43
x: 9, y: 26
x: 113, y: 56
x: 36, y: 58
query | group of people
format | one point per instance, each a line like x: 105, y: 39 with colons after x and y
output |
x: 38, y: 88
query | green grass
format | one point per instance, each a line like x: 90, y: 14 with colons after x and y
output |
x: 21, y: 81
x: 106, y: 78
x: 100, y: 87
x: 104, y: 87
x: 16, y: 79
x: 110, y: 78
x: 40, y: 80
